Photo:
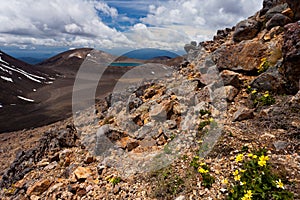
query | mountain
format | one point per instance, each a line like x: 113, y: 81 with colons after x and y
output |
x: 31, y: 60
x: 222, y: 124
x: 37, y: 95
x: 18, y: 79
x: 149, y: 53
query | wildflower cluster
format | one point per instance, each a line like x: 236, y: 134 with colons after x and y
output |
x: 266, y: 99
x: 203, y: 169
x: 264, y: 65
x: 259, y: 98
x: 253, y: 179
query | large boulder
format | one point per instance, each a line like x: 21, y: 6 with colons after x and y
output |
x: 291, y: 55
x: 275, y: 10
x: 270, y: 80
x: 295, y: 6
x: 278, y: 20
x: 245, y: 56
x: 246, y: 30
x: 269, y: 4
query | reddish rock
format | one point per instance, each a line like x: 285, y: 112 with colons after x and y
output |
x: 246, y: 30
x: 244, y: 56
x: 82, y: 172
x: 295, y: 6
x: 278, y: 20
x: 39, y: 187
x: 291, y: 55
x: 243, y: 114
x: 230, y: 78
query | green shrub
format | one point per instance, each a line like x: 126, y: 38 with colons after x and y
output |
x: 255, y: 180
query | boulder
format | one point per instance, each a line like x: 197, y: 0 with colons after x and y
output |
x: 295, y: 6
x: 243, y: 114
x: 39, y: 187
x: 82, y: 173
x: 291, y: 56
x: 271, y: 80
x: 278, y: 20
x: 159, y: 112
x: 269, y: 4
x: 230, y: 78
x: 191, y: 46
x: 229, y: 92
x: 244, y: 56
x: 246, y: 30
x: 275, y: 10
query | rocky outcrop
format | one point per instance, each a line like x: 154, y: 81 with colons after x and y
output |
x: 291, y: 55
x: 278, y: 20
x: 271, y: 81
x: 25, y: 161
x: 244, y: 56
x: 295, y: 6
x: 246, y: 30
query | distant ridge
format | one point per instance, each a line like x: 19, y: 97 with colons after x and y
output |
x: 149, y: 53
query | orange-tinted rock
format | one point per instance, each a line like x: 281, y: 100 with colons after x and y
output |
x: 39, y: 187
x: 245, y: 56
x: 82, y: 172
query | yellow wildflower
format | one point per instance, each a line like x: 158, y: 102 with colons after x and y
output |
x: 239, y: 157
x: 263, y: 160
x: 225, y: 181
x: 279, y: 184
x: 236, y: 172
x: 253, y: 91
x: 202, y: 171
x: 266, y: 94
x: 254, y: 156
x: 248, y: 195
x: 237, y: 177
x: 243, y: 183
x: 242, y: 170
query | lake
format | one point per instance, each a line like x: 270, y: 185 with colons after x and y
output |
x: 124, y: 64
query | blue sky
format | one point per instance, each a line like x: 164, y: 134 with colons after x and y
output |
x: 116, y: 26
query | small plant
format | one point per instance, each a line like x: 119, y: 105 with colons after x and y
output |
x: 264, y: 65
x: 253, y: 179
x: 114, y: 180
x: 208, y: 179
x: 108, y: 120
x: 264, y: 100
x: 203, y: 169
x: 204, y: 112
x: 203, y: 124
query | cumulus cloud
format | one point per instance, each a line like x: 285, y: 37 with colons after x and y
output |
x: 156, y: 37
x: 56, y: 22
x: 167, y: 24
x: 202, y: 15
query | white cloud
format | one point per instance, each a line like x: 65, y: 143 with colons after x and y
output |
x: 56, y: 22
x: 200, y: 14
x: 168, y: 24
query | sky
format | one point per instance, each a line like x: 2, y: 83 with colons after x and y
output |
x: 115, y: 26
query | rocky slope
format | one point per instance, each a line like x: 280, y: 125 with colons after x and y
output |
x: 233, y: 95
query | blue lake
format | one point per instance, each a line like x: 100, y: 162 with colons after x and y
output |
x: 124, y: 64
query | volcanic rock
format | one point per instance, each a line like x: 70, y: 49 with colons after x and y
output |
x: 246, y: 30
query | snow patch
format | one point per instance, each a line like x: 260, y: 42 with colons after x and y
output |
x: 25, y: 99
x: 75, y: 55
x: 6, y: 79
x: 5, y: 70
x: 34, y: 90
x: 1, y: 105
x: 3, y: 61
x: 28, y: 75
